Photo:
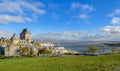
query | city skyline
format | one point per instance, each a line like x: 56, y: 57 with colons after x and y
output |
x: 95, y: 20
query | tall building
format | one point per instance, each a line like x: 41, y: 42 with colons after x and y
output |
x: 25, y: 35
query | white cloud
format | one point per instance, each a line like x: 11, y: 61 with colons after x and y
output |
x: 82, y: 10
x: 115, y: 17
x: 8, y: 19
x: 19, y: 11
x: 111, y: 33
x: 107, y: 33
x: 115, y: 13
x: 83, y: 7
x: 115, y: 20
x: 66, y: 35
x: 111, y: 29
x: 38, y: 4
x: 32, y: 7
x: 9, y: 6
x: 87, y: 7
x: 28, y: 19
x: 83, y: 16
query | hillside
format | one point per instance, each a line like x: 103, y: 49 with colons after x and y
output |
x: 65, y: 63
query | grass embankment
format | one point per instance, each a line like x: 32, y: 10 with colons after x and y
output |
x: 65, y: 63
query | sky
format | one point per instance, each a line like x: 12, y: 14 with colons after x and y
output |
x: 82, y: 20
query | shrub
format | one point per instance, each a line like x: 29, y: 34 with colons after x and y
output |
x: 25, y: 51
x: 76, y: 53
x: 47, y: 51
x: 69, y: 53
x: 2, y: 57
x: 93, y: 49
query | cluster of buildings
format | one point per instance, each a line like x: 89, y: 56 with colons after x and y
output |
x: 25, y: 46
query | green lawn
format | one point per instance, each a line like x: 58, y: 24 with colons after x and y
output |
x: 65, y: 63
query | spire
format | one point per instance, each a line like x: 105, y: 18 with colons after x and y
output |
x: 13, y: 37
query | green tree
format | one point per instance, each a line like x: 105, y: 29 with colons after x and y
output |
x: 25, y: 51
x: 38, y: 45
x: 47, y: 51
x: 93, y: 49
x: 31, y: 52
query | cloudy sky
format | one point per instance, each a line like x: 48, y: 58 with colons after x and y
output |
x: 83, y: 20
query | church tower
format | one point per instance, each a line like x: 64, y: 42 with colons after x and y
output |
x: 25, y: 35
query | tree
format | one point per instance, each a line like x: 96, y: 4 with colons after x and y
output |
x: 47, y: 51
x: 44, y: 51
x: 25, y: 51
x: 93, y: 49
x: 31, y: 52
x: 104, y: 48
x: 113, y: 49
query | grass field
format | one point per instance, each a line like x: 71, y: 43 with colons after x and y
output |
x: 65, y: 63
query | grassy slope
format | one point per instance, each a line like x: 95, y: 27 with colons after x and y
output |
x: 67, y: 63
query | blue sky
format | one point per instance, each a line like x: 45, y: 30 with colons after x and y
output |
x: 63, y: 19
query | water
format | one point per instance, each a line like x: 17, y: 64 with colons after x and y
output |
x: 83, y: 46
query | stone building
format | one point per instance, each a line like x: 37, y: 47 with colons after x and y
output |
x: 14, y: 39
x: 11, y: 49
x: 25, y: 35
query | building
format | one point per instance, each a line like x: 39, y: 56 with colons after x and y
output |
x: 25, y: 35
x: 18, y: 47
x: 14, y: 39
x: 12, y: 49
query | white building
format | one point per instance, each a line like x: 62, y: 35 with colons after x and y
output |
x: 12, y: 51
